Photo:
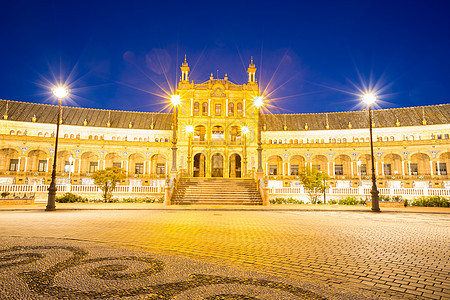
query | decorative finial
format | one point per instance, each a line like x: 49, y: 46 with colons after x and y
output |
x: 264, y: 127
x: 306, y: 126
x: 130, y: 125
x: 185, y: 57
x: 85, y: 122
x: 109, y: 117
x: 349, y: 125
x: 33, y: 119
x: 328, y: 125
x: 285, y: 127
x: 252, y: 60
x: 397, y: 123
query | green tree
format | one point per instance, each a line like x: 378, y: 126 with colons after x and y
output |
x: 107, y: 180
x: 314, y: 182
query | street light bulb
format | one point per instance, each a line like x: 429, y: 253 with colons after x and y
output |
x: 176, y: 100
x: 60, y: 90
x: 258, y: 101
x: 189, y: 129
x: 245, y: 130
x: 70, y: 160
x: 359, y: 162
x: 369, y: 97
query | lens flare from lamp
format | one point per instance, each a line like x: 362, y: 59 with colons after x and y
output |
x: 189, y: 129
x: 369, y: 97
x: 245, y: 130
x: 258, y: 101
x: 176, y: 100
x: 60, y: 90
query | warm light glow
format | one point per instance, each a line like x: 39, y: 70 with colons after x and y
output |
x: 189, y: 129
x: 245, y: 130
x: 258, y: 101
x: 369, y: 97
x: 359, y: 163
x: 60, y: 90
x: 176, y: 100
x: 70, y: 160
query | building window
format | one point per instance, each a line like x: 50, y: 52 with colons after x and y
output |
x: 272, y: 169
x: 205, y: 109
x: 160, y: 169
x: 117, y: 164
x: 196, y: 108
x: 14, y: 165
x: 446, y: 136
x: 42, y: 166
x: 442, y: 168
x: 231, y: 109
x: 339, y: 170
x: 239, y: 109
x: 439, y: 136
x: 139, y: 168
x: 218, y: 109
x: 363, y: 169
x: 413, y: 169
x: 67, y: 167
x: 93, y: 166
x: 387, y: 169
x: 294, y: 170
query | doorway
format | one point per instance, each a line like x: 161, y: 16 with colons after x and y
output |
x: 199, y: 165
x: 217, y: 165
x: 235, y: 166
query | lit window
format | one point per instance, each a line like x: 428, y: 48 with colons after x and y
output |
x: 14, y: 165
x: 139, y: 168
x: 93, y: 166
x: 231, y: 109
x: 218, y: 109
x: 42, y: 166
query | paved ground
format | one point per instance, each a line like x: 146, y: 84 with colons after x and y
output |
x: 223, y: 254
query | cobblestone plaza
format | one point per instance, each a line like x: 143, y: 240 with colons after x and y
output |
x: 223, y: 254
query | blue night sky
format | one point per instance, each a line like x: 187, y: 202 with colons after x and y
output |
x: 312, y: 56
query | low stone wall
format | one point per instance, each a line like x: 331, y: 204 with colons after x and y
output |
x: 13, y: 201
x: 387, y: 204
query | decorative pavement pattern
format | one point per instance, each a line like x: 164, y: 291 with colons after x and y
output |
x: 142, y: 254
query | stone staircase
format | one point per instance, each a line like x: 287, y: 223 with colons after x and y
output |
x: 217, y: 191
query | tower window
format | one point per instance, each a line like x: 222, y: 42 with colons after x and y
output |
x: 196, y: 108
x: 218, y: 109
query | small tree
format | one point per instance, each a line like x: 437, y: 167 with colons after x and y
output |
x: 107, y: 180
x: 314, y: 182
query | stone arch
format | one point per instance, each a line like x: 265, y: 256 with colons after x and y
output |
x: 444, y: 163
x: 235, y: 165
x: 38, y: 161
x: 113, y: 159
x: 342, y: 165
x: 89, y: 162
x: 319, y: 162
x: 419, y: 164
x: 217, y: 164
x: 392, y: 164
x: 136, y: 163
x: 239, y: 109
x: 366, y: 164
x: 196, y: 108
x: 158, y: 165
x: 63, y: 159
x: 275, y: 164
x: 297, y: 164
x: 199, y: 165
x: 199, y: 133
x: 9, y: 159
x: 231, y: 109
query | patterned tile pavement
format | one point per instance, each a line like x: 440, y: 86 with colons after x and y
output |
x: 334, y: 254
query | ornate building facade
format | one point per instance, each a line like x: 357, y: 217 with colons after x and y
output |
x: 412, y: 146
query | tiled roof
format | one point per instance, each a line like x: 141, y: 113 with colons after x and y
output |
x: 408, y: 116
x: 24, y: 111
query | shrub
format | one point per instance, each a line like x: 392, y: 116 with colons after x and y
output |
x: 350, y: 200
x: 431, y: 201
x: 5, y: 194
x: 390, y: 198
x: 143, y: 200
x: 70, y: 198
x: 289, y: 200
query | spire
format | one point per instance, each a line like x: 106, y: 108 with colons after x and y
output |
x: 251, y: 72
x: 185, y: 70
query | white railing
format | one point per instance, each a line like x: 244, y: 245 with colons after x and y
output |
x: 81, y: 189
x: 363, y: 191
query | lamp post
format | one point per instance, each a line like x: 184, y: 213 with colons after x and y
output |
x: 176, y: 100
x: 259, y: 102
x: 189, y: 131
x: 60, y: 91
x: 245, y: 130
x: 369, y: 98
x: 359, y: 171
x: 70, y: 167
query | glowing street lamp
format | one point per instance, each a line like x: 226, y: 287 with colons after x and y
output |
x: 176, y: 101
x: 258, y: 102
x: 189, y: 131
x: 369, y: 98
x: 359, y: 163
x: 245, y: 131
x: 60, y: 91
